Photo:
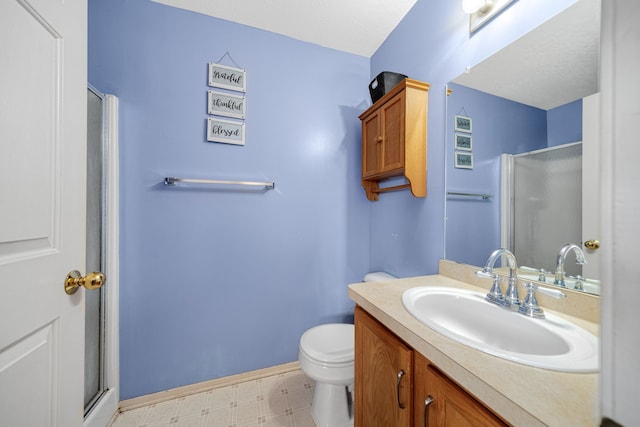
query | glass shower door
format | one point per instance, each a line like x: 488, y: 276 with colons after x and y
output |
x: 547, y: 205
x: 94, y: 313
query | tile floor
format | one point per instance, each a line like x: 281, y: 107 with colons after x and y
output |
x: 279, y: 400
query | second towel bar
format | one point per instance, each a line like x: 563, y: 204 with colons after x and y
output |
x: 484, y: 196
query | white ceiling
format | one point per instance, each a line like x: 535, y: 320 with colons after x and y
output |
x: 552, y: 65
x: 354, y: 26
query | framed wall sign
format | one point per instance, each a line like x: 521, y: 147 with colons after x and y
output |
x: 226, y: 77
x: 463, y: 142
x: 463, y: 160
x: 225, y: 131
x: 463, y: 124
x: 226, y: 104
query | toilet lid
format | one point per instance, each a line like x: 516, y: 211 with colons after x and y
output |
x: 330, y: 343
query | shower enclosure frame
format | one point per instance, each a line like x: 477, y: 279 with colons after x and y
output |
x: 103, y: 409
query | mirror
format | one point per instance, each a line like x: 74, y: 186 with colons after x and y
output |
x: 527, y: 98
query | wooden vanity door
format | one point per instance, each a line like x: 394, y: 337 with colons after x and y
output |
x: 451, y: 405
x: 383, y: 376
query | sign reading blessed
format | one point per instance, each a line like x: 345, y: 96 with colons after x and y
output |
x: 226, y: 131
x: 227, y: 77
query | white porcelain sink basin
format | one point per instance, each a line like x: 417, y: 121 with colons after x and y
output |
x: 465, y: 316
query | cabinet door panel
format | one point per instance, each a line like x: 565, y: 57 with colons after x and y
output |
x: 452, y: 406
x: 371, y: 145
x: 423, y: 389
x: 459, y: 409
x: 394, y: 133
x: 382, y: 399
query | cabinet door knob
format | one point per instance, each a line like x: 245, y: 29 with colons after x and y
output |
x: 379, y: 139
x: 428, y: 401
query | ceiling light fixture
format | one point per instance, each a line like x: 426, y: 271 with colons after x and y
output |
x: 482, y: 11
x: 473, y: 6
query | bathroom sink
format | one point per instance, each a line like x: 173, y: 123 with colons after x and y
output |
x: 466, y: 317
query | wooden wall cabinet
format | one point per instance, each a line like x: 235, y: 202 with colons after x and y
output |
x: 394, y: 140
x: 383, y: 398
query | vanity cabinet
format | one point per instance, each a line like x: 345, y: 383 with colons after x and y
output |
x: 394, y: 383
x: 383, y: 375
x: 394, y: 140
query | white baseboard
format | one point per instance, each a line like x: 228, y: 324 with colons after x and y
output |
x: 163, y: 396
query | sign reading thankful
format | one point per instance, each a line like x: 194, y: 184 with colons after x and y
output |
x: 224, y: 104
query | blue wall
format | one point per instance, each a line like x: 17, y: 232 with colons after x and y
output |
x: 564, y: 124
x: 499, y: 126
x: 433, y: 44
x: 219, y: 282
x: 212, y: 282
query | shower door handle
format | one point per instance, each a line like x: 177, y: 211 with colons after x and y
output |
x: 74, y: 280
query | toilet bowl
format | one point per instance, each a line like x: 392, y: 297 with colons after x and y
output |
x: 326, y: 355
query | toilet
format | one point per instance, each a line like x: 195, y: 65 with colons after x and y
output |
x: 326, y: 356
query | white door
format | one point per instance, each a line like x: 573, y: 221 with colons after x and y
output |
x: 591, y: 199
x: 42, y: 210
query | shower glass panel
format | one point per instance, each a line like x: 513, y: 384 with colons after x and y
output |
x: 93, y: 383
x: 547, y: 202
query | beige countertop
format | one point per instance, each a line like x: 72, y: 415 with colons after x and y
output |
x: 522, y: 395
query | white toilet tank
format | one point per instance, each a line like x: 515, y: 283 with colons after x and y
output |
x: 377, y: 276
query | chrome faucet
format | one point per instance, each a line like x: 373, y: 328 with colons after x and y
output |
x: 559, y: 278
x: 530, y: 307
x: 542, y: 277
x: 511, y: 298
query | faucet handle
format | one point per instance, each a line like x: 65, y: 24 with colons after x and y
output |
x: 485, y: 274
x: 530, y: 307
x: 542, y: 277
x: 495, y: 294
x: 551, y: 292
x: 579, y: 284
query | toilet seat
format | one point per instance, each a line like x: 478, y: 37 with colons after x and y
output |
x: 330, y: 344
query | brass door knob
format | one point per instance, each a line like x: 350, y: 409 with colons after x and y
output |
x: 74, y: 280
x: 592, y: 244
